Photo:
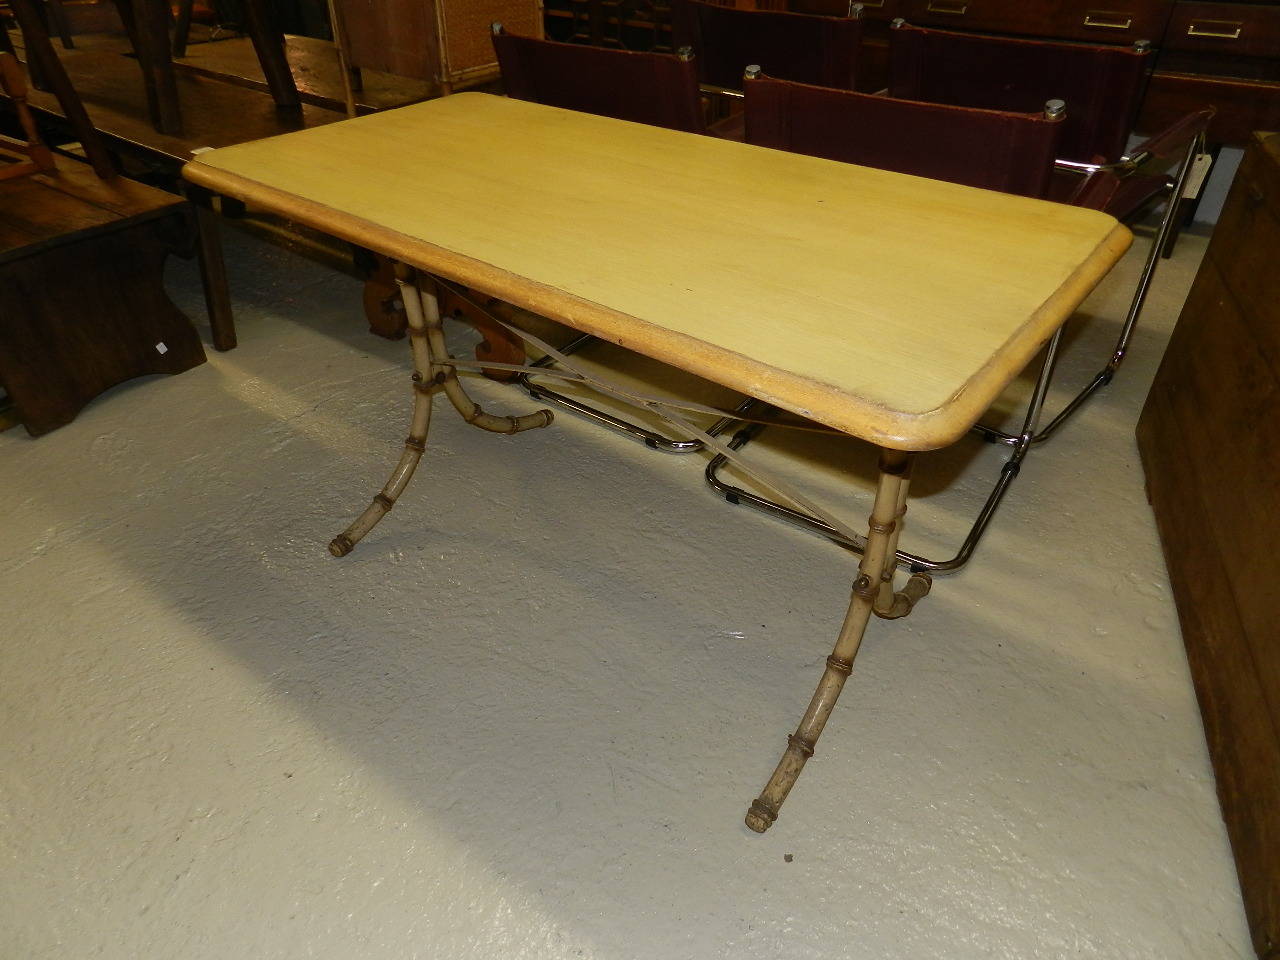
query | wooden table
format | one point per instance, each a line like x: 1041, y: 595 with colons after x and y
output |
x: 891, y: 308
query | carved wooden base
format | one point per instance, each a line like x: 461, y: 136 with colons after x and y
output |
x: 80, y: 315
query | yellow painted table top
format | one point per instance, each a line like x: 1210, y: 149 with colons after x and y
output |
x: 890, y: 307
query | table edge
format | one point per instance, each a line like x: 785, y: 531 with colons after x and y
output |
x: 813, y: 399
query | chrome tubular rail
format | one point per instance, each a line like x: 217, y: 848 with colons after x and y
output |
x: 650, y: 438
x: 914, y: 562
x: 1104, y: 376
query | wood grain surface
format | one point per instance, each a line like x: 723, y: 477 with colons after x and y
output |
x: 889, y: 307
x: 1210, y: 443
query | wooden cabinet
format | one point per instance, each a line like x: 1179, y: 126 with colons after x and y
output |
x: 1104, y: 21
x: 1210, y: 53
x: 443, y: 41
x: 1226, y: 55
x: 1209, y: 436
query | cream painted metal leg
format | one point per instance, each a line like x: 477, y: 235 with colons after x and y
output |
x: 426, y: 341
x: 872, y: 593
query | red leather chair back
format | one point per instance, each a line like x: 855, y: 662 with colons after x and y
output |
x: 996, y: 150
x: 794, y: 46
x: 654, y: 88
x: 1102, y: 86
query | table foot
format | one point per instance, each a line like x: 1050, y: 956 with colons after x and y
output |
x: 877, y: 561
x: 426, y: 343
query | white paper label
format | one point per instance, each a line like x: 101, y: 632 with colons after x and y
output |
x: 161, y: 348
x: 1196, y: 175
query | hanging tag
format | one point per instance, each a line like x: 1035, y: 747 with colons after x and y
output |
x: 1200, y: 167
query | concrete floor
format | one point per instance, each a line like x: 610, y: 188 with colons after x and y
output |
x: 526, y: 717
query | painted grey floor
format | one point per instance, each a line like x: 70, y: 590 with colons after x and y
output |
x: 526, y: 717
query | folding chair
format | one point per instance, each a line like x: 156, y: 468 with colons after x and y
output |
x: 807, y: 48
x: 1102, y: 87
x: 992, y: 149
x: 659, y: 89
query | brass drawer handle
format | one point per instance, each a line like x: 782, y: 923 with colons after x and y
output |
x: 1217, y: 29
x: 941, y: 6
x: 1108, y: 21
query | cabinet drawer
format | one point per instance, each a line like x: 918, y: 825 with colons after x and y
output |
x: 871, y: 9
x: 1243, y: 29
x: 1098, y: 21
x: 1112, y: 21
x: 996, y: 16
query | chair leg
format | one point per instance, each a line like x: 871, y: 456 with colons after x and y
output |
x: 182, y: 28
x: 58, y: 17
x: 426, y: 343
x: 269, y: 45
x: 895, y: 470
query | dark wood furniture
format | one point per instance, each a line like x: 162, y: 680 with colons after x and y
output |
x: 1209, y: 436
x: 445, y: 42
x: 82, y: 301
x: 1209, y: 52
x: 147, y: 24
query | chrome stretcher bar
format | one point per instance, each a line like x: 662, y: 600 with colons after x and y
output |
x: 888, y: 307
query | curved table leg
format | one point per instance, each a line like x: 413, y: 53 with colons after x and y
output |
x: 426, y: 342
x: 895, y: 473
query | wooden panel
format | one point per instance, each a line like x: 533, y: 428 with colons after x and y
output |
x: 1111, y: 21
x: 444, y: 41
x: 1237, y: 29
x: 1243, y: 105
x: 1000, y: 16
x: 64, y: 341
x: 801, y: 281
x: 392, y: 36
x: 216, y: 113
x: 314, y: 65
x: 48, y: 209
x: 1209, y: 436
x: 468, y: 49
x: 1101, y: 21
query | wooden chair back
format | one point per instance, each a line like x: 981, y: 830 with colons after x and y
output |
x: 36, y: 155
x: 1101, y: 86
x: 992, y: 149
x: 660, y: 89
x: 794, y: 46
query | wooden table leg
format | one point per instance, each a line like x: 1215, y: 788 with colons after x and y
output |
x: 869, y: 596
x: 269, y: 45
x: 213, y: 270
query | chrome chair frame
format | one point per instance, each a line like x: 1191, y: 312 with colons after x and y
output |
x: 1159, y: 249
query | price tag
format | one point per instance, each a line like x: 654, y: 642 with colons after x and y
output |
x: 1196, y: 176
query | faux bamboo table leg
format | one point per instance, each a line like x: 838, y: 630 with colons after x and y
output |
x: 426, y: 341
x: 895, y: 472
